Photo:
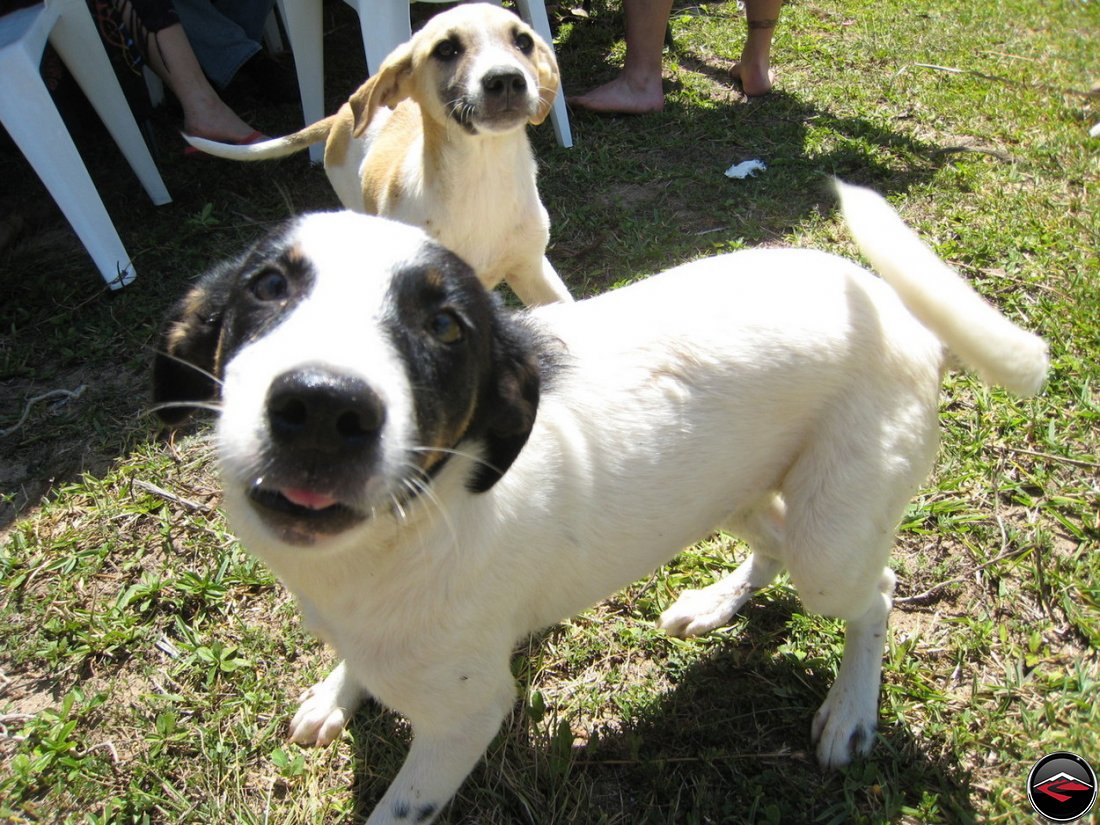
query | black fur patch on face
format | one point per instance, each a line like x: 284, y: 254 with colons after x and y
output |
x: 472, y: 374
x: 232, y: 304
x: 270, y: 283
x: 439, y: 320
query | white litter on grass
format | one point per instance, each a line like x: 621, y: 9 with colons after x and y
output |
x: 745, y: 169
x: 1095, y: 131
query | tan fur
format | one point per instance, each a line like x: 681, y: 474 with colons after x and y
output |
x: 397, y: 149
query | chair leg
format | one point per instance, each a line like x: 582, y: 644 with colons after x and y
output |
x: 273, y: 37
x: 534, y: 12
x: 154, y: 85
x: 77, y: 42
x: 31, y: 118
x: 384, y: 26
x: 302, y: 21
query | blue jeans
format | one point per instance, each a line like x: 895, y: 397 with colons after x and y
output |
x: 223, y: 33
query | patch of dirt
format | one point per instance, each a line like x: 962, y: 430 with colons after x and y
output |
x: 46, y: 437
x: 630, y: 197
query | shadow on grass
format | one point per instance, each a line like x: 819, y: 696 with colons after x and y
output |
x: 641, y: 193
x: 730, y: 742
x: 75, y: 357
x: 627, y: 200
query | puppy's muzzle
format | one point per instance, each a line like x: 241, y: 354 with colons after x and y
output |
x: 324, y: 438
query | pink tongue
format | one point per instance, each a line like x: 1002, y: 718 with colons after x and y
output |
x: 307, y: 498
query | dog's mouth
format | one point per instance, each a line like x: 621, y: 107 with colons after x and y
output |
x: 303, y: 516
x: 478, y: 116
x: 503, y: 119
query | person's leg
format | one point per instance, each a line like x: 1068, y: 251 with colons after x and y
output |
x: 205, y: 114
x: 754, y: 68
x: 219, y: 43
x: 638, y: 88
x: 250, y: 15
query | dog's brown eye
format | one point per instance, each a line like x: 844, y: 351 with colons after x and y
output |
x: 446, y: 50
x: 270, y: 285
x: 446, y: 328
x: 524, y: 42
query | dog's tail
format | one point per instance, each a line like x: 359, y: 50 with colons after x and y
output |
x: 987, y: 342
x: 267, y: 149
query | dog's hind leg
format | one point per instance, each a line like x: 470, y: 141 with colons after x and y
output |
x: 846, y: 722
x: 844, y: 497
x: 326, y: 707
x: 699, y: 611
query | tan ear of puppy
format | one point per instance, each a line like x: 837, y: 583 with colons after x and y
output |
x: 391, y: 85
x: 549, y: 80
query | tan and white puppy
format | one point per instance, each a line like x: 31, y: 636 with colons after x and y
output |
x: 438, y: 139
x: 434, y: 478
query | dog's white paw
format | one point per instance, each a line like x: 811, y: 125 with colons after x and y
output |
x: 320, y: 717
x: 844, y: 728
x: 697, y: 612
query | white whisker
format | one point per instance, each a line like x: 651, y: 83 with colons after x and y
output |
x: 189, y: 365
x: 458, y: 453
x: 213, y: 406
x: 401, y: 514
x: 420, y: 485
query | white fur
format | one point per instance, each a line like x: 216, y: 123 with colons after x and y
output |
x: 999, y: 351
x: 786, y: 395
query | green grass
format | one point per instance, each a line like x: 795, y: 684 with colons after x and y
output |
x: 149, y: 666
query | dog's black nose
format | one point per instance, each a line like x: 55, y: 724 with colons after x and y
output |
x: 504, y: 81
x: 319, y: 409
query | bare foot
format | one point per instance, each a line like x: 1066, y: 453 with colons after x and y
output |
x: 213, y: 119
x: 756, y: 80
x: 623, y: 96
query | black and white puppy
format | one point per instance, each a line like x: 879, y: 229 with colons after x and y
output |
x: 434, y: 477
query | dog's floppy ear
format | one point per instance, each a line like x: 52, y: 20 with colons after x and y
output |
x: 549, y: 80
x: 186, y: 370
x: 508, y: 405
x: 389, y: 86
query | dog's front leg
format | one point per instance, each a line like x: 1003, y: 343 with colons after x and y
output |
x: 538, y: 283
x: 326, y: 707
x: 700, y: 611
x: 442, y: 754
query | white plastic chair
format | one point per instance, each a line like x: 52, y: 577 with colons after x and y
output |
x: 31, y: 118
x: 384, y: 24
